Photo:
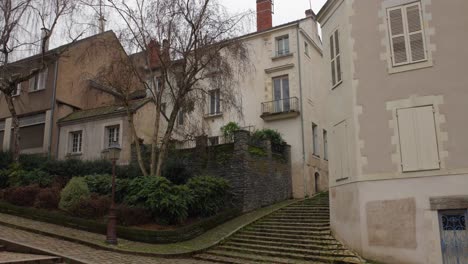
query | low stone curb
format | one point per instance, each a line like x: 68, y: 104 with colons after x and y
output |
x: 96, y: 245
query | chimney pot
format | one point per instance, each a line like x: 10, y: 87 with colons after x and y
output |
x: 264, y: 14
x: 309, y: 13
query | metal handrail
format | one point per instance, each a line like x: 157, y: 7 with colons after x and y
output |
x: 281, y: 106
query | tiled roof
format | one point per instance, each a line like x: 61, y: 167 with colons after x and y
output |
x: 103, y: 111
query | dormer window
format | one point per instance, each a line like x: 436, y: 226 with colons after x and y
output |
x: 39, y: 81
x: 17, y: 91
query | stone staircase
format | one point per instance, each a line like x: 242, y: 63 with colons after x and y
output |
x: 298, y: 233
x: 8, y: 257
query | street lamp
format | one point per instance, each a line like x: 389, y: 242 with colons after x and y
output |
x: 113, y: 154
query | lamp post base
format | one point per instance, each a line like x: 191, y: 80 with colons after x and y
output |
x: 111, y: 237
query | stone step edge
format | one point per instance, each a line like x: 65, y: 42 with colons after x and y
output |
x: 262, y: 258
x: 289, y: 244
x: 279, y: 239
x: 294, y: 256
x: 313, y: 252
x: 291, y: 236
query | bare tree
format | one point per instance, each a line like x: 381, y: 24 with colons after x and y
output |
x: 195, y: 46
x: 20, y: 18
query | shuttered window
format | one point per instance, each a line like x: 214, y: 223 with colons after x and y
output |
x: 335, y: 58
x: 418, y: 139
x: 340, y: 156
x: 406, y: 34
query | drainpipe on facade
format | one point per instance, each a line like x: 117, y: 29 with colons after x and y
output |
x: 302, y: 112
x: 52, y: 111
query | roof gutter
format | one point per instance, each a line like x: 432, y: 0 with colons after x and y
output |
x: 302, y: 108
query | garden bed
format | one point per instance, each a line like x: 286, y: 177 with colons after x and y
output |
x: 182, y: 233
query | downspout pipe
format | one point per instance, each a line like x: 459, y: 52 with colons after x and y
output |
x: 52, y: 111
x: 302, y: 108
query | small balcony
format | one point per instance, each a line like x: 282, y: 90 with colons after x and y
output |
x: 280, y: 109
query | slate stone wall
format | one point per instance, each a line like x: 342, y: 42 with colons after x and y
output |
x: 257, y: 175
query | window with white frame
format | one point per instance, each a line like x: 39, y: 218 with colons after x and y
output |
x: 282, y: 45
x: 215, y: 102
x: 112, y: 135
x: 335, y: 56
x: 76, y: 142
x: 17, y: 91
x: 281, y: 94
x: 325, y: 145
x: 39, y: 81
x: 406, y: 33
x: 315, y: 140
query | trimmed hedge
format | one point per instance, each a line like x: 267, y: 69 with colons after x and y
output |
x: 147, y: 236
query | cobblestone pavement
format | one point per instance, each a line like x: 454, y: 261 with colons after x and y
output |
x: 81, y: 252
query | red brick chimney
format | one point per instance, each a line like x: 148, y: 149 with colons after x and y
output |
x: 264, y: 14
x: 154, y: 51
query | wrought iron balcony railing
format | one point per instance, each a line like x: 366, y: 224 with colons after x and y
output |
x: 286, y: 105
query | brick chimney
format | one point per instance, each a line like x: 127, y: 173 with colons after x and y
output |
x: 154, y: 51
x: 264, y: 14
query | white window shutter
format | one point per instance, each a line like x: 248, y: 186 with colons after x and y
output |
x: 397, y: 36
x: 415, y: 31
x: 418, y: 139
x: 408, y: 140
x: 427, y: 138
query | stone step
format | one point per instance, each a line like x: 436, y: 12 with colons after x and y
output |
x: 223, y: 259
x: 281, y: 231
x: 222, y: 256
x: 299, y: 218
x: 317, y: 241
x: 2, y: 248
x: 294, y: 224
x: 299, y: 215
x: 288, y: 236
x: 307, y: 213
x: 299, y: 256
x: 340, y: 252
x: 286, y: 227
x: 293, y: 244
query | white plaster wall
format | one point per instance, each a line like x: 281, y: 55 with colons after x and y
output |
x: 93, y: 138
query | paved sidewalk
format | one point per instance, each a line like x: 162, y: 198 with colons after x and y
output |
x: 83, y: 253
x: 206, y: 240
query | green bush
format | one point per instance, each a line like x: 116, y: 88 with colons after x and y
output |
x: 19, y: 177
x: 229, y: 129
x: 210, y: 195
x: 5, y: 159
x: 273, y: 135
x: 4, y: 177
x: 102, y: 185
x: 76, y: 190
x: 159, y: 196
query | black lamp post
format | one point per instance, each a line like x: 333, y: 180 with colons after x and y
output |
x: 113, y: 154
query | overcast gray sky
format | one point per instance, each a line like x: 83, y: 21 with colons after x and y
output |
x: 285, y: 10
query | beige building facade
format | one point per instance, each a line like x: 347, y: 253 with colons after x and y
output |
x: 280, y: 91
x: 87, y: 134
x: 59, y: 90
x: 396, y: 95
